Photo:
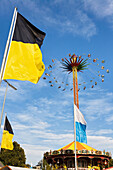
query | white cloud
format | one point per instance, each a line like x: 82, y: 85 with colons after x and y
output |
x: 34, y: 152
x: 100, y: 132
x: 24, y: 89
x: 101, y: 143
x: 101, y: 8
x: 104, y: 131
x: 79, y: 24
x: 109, y: 119
x: 99, y: 106
x: 37, y: 126
x: 42, y: 140
x: 66, y: 20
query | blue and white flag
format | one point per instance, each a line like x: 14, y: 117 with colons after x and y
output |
x: 80, y: 126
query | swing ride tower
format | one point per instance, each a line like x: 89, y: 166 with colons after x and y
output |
x: 75, y: 65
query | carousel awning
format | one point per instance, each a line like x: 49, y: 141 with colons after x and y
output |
x: 79, y: 146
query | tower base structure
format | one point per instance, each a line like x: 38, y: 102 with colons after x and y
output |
x: 87, y: 157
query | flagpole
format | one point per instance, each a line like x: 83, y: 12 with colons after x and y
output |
x: 8, y: 44
x: 3, y: 130
x: 12, y: 27
x: 5, y: 118
x: 3, y: 105
x: 8, y: 84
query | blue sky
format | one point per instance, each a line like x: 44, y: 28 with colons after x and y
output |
x: 42, y: 116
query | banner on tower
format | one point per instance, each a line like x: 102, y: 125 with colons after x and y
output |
x: 80, y: 124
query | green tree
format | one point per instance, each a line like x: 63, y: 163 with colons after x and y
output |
x: 110, y: 162
x: 46, y: 165
x: 15, y: 157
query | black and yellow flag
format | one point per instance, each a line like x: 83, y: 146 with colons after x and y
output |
x: 24, y: 61
x: 7, y: 136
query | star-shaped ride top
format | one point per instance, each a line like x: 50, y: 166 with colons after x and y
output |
x: 75, y: 61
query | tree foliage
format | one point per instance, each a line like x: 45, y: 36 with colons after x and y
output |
x: 110, y: 162
x: 15, y: 157
x: 46, y: 165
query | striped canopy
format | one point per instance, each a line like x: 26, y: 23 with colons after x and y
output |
x: 79, y: 146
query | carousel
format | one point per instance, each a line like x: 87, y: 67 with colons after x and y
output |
x: 87, y: 157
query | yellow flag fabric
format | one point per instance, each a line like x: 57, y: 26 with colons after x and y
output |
x: 7, y: 135
x: 7, y: 140
x: 24, y: 61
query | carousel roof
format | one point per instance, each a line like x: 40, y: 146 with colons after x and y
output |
x: 79, y: 146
